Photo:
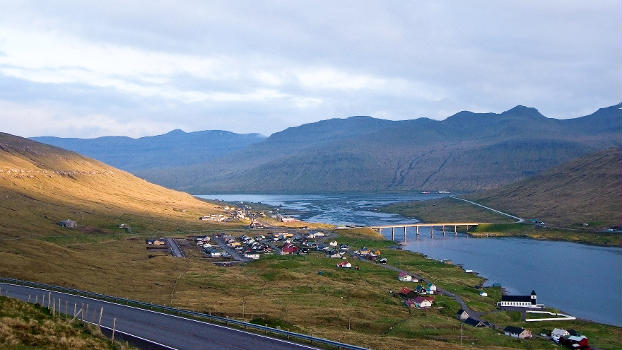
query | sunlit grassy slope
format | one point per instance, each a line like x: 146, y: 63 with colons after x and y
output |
x: 27, y: 326
x: 41, y: 185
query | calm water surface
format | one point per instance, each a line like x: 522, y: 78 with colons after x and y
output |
x: 585, y: 281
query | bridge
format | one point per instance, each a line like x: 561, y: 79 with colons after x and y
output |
x: 442, y: 225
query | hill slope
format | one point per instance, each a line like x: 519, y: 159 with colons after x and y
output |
x: 465, y: 152
x: 41, y: 185
x: 176, y: 148
x: 584, y: 190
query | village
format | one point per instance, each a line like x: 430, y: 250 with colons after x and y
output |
x: 414, y: 292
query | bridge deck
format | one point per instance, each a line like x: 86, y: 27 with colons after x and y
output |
x: 427, y: 225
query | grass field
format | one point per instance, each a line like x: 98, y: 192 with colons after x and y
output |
x: 28, y: 326
x: 289, y: 291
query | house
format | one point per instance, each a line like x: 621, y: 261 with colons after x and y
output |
x: 288, y: 219
x: 431, y: 289
x: 557, y: 333
x: 404, y: 277
x: 289, y: 249
x: 473, y: 322
x: 420, y: 290
x: 407, y: 293
x: 68, y: 224
x: 253, y: 256
x: 423, y: 302
x: 484, y: 294
x: 526, y: 301
x: 344, y: 264
x: 462, y: 315
x: 384, y: 261
x: 333, y: 243
x: 516, y: 332
x: 575, y: 341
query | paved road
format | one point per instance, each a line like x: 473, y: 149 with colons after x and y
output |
x: 169, y: 331
x: 518, y: 219
x: 173, y: 247
x: 234, y: 253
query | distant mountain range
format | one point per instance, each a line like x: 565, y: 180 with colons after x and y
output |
x: 176, y: 148
x: 465, y: 152
x: 585, y: 190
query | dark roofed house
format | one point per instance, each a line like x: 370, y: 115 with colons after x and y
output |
x: 516, y: 332
x: 68, y: 224
x: 473, y: 322
x: 462, y: 315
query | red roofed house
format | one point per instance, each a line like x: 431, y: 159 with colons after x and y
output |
x: 344, y: 264
x: 423, y: 302
x: 289, y: 249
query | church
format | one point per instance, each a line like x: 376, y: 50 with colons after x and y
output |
x: 526, y: 301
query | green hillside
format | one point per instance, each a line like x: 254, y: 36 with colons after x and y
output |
x: 586, y: 190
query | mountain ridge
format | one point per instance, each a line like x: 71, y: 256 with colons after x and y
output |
x: 467, y: 151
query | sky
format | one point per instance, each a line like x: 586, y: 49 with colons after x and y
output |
x: 137, y: 68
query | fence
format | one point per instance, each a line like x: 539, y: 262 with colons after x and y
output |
x: 182, y: 312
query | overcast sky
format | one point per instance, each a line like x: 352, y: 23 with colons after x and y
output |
x: 87, y: 69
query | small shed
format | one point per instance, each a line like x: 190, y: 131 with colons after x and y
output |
x: 517, y: 332
x: 68, y: 224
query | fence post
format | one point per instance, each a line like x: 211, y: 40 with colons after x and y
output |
x: 114, y: 326
x: 101, y: 313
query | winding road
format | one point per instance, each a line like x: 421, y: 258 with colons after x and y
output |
x: 518, y: 219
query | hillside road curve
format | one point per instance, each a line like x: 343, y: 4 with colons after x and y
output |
x: 166, y: 330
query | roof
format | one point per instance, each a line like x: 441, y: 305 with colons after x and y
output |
x: 473, y: 322
x: 513, y: 330
x: 421, y: 299
x: 405, y: 290
x: 523, y: 298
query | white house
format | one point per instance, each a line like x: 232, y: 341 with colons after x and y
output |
x: 254, y: 256
x: 423, y: 302
x: 431, y: 289
x: 333, y: 243
x: 344, y: 264
x: 558, y: 333
x: 484, y: 294
x: 404, y: 277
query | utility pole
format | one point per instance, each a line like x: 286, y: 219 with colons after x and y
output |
x: 461, y: 334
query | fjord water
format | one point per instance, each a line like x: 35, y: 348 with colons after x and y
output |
x: 583, y: 280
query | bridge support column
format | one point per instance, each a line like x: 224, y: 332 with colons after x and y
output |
x: 417, y: 230
x: 467, y: 230
x: 393, y: 233
x: 456, y: 230
x: 431, y: 231
x: 404, y: 234
x: 443, y: 227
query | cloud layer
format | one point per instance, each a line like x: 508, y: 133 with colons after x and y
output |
x: 72, y: 69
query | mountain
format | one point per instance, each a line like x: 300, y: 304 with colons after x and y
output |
x: 585, y: 190
x: 465, y: 152
x: 41, y: 185
x: 176, y: 148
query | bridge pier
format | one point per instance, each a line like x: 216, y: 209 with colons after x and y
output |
x: 417, y: 230
x: 456, y: 230
x: 393, y: 233
x: 404, y: 234
x: 431, y: 231
x: 443, y: 228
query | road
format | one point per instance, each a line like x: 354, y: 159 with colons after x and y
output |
x: 234, y: 253
x: 518, y: 219
x: 173, y: 247
x: 165, y: 330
